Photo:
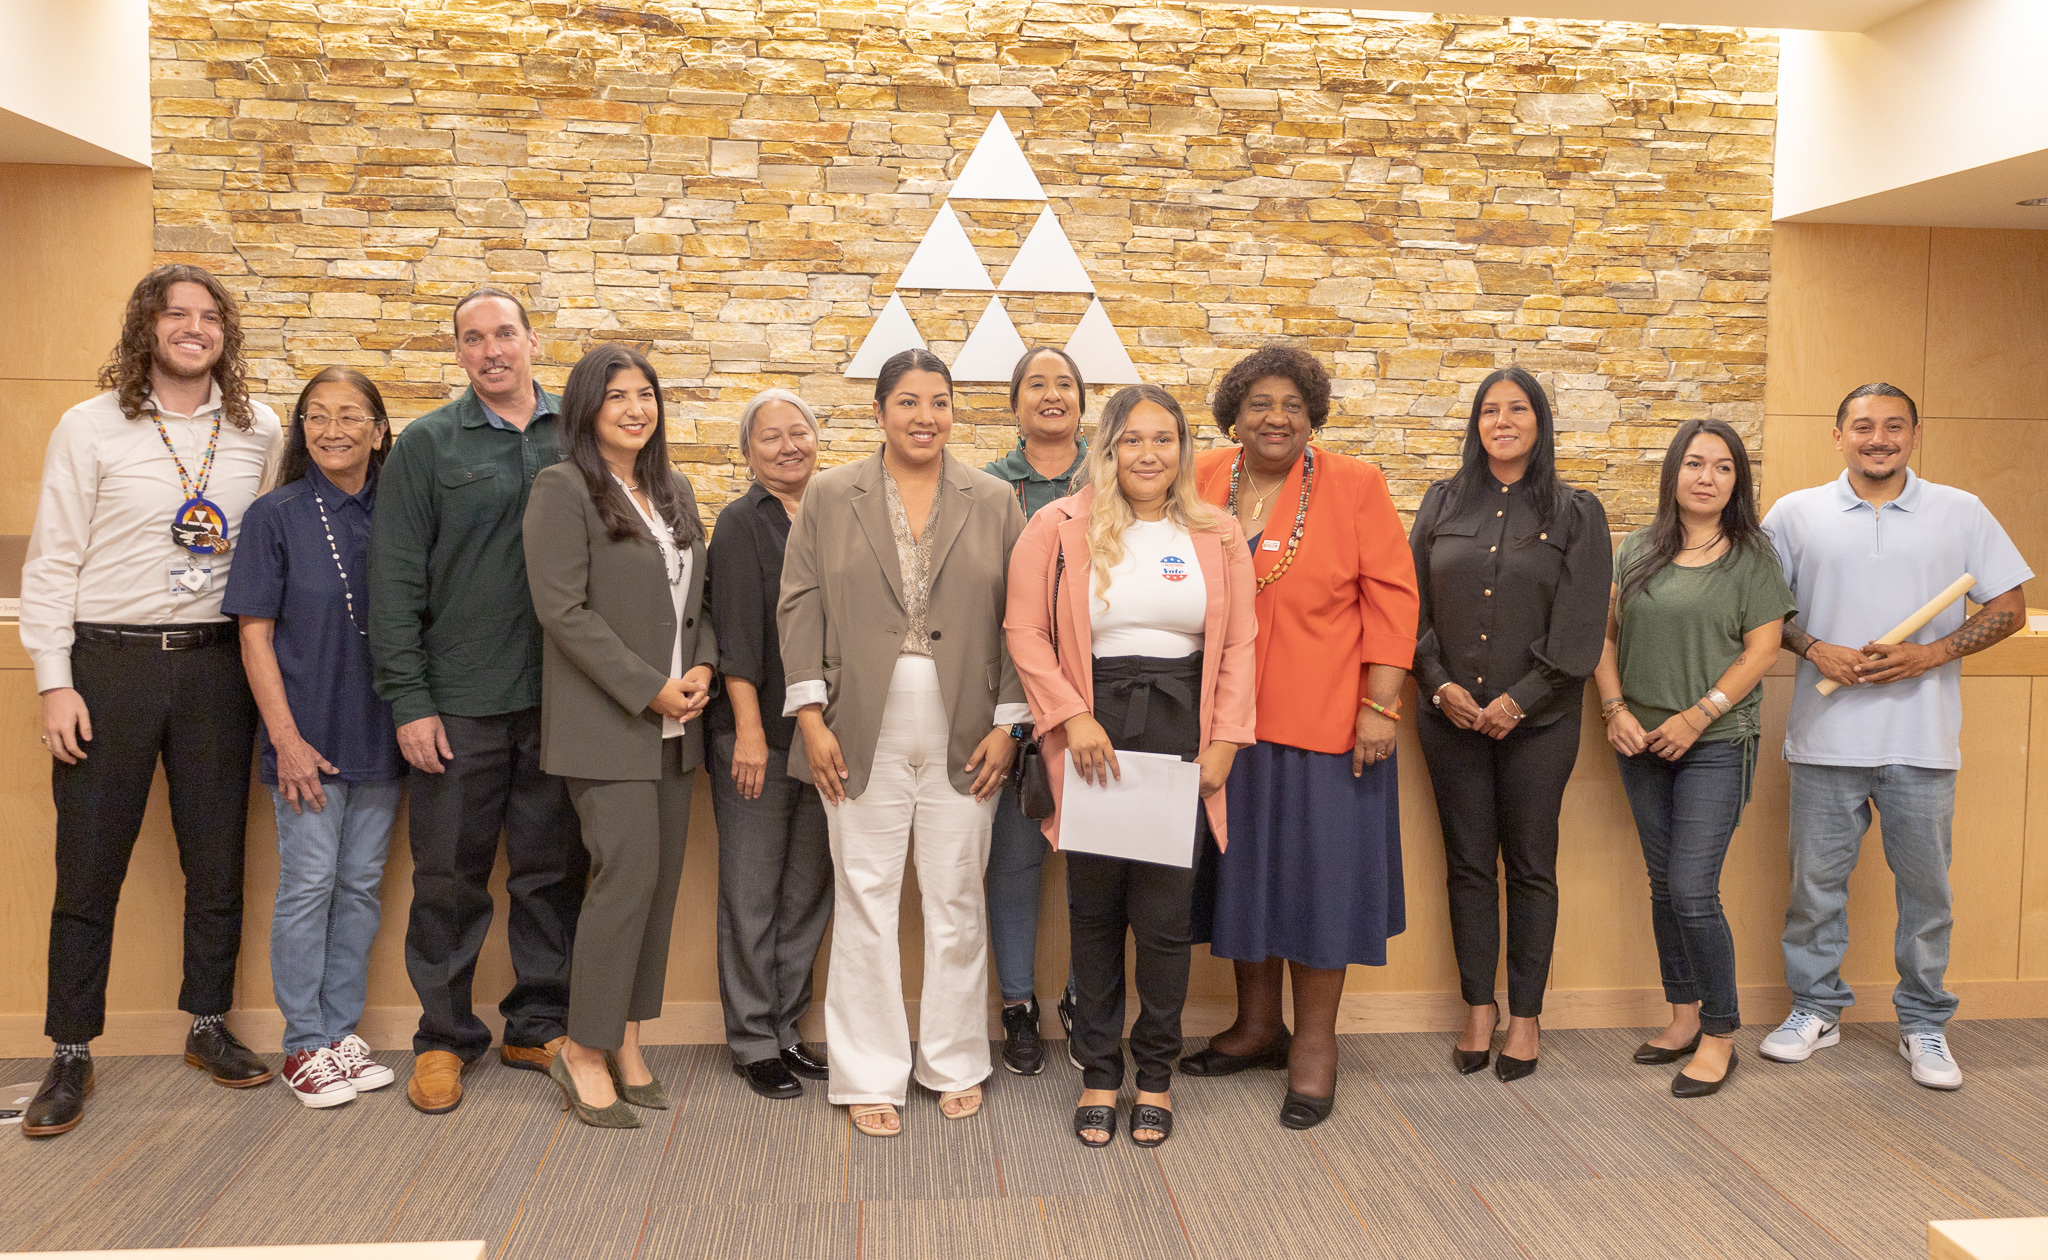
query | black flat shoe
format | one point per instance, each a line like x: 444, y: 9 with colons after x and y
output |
x: 1148, y: 1116
x: 60, y: 1104
x: 1647, y: 1053
x: 1210, y: 1061
x: 1099, y: 1118
x: 1683, y: 1086
x: 1023, y: 1050
x: 1300, y: 1111
x: 770, y: 1078
x: 799, y: 1059
x: 214, y: 1051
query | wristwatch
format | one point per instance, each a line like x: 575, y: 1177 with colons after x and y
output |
x: 1017, y: 731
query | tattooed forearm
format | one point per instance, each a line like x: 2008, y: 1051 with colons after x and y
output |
x: 1798, y: 640
x: 1981, y: 631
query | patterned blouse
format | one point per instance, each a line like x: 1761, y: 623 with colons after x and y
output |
x: 914, y: 557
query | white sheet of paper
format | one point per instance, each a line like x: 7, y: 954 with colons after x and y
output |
x: 1148, y: 815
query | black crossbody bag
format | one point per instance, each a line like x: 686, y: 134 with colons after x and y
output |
x: 1034, y: 781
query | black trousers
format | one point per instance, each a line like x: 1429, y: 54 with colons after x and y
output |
x: 192, y: 708
x: 1147, y: 704
x: 1498, y: 802
x: 494, y: 784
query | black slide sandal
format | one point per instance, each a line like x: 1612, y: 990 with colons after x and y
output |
x: 1100, y: 1118
x: 1149, y: 1116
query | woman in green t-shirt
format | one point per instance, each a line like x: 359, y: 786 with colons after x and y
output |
x: 1698, y: 606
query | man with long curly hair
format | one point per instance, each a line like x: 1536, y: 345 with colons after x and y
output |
x: 143, y: 491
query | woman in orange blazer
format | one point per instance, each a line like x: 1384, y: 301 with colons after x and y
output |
x: 1313, y: 872
x: 1130, y: 622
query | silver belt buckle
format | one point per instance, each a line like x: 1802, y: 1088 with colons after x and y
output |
x: 164, y: 639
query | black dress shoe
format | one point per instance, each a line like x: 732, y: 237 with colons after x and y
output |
x: 770, y: 1078
x: 1508, y: 1068
x: 1023, y: 1050
x: 1210, y: 1061
x: 214, y: 1051
x: 1683, y: 1086
x: 1647, y: 1053
x: 798, y: 1059
x: 1469, y: 1061
x: 1300, y: 1111
x: 60, y: 1104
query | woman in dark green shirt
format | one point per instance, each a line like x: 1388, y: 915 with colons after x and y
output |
x: 1698, y: 607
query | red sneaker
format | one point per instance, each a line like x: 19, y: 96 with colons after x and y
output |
x: 364, y: 1072
x: 317, y: 1077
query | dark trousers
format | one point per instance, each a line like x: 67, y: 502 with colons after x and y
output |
x: 1497, y: 801
x: 494, y: 784
x: 192, y: 708
x: 634, y: 831
x: 1147, y: 704
x: 774, y: 900
x: 1685, y: 812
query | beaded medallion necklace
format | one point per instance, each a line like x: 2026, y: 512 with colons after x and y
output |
x: 1308, y: 476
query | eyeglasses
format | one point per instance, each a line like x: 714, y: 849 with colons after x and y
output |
x: 346, y: 422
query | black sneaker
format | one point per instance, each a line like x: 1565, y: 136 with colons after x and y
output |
x: 1023, y: 1049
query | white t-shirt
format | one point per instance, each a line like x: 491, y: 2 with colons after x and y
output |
x: 677, y: 561
x: 1156, y: 600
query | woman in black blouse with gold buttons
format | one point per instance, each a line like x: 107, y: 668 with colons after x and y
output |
x: 1514, y: 568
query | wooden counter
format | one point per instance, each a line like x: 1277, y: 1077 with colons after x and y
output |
x: 1604, y: 974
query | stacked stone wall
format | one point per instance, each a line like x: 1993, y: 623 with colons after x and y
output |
x: 734, y: 189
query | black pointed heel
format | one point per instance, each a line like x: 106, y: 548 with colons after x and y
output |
x: 1683, y: 1086
x: 1508, y: 1068
x: 1300, y: 1111
x: 1148, y: 1116
x: 1647, y: 1053
x: 1101, y: 1118
x: 1212, y: 1062
x: 1469, y: 1061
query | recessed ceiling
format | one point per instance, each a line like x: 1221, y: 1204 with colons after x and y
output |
x: 26, y: 140
x: 1798, y: 15
x: 1982, y: 197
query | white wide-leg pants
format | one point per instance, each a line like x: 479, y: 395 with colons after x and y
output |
x: 867, y: 1035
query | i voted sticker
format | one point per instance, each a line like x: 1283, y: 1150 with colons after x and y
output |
x: 1173, y: 568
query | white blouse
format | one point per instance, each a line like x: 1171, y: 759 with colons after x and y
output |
x: 677, y: 562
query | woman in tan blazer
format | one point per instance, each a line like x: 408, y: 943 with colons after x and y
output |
x: 891, y: 623
x: 615, y: 558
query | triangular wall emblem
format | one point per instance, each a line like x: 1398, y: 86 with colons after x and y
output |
x: 945, y: 258
x: 1047, y: 262
x: 892, y: 333
x: 992, y: 350
x: 1099, y: 352
x: 997, y: 169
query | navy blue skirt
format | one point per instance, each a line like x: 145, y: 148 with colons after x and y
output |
x: 1313, y: 872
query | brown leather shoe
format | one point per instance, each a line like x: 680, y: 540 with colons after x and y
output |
x: 436, y: 1085
x: 531, y: 1058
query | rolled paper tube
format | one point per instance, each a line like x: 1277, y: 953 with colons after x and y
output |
x: 1911, y: 625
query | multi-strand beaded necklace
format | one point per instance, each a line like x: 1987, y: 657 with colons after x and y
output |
x: 1308, y: 476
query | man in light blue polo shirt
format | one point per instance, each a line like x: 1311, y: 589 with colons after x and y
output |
x: 1862, y: 554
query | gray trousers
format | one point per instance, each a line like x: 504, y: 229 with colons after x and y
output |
x: 774, y: 901
x: 634, y: 830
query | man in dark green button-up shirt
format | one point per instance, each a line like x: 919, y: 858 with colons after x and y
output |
x: 456, y: 650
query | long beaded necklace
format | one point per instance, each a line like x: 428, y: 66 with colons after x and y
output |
x: 1308, y: 476
x: 347, y: 594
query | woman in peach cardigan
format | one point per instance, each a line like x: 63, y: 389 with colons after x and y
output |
x: 1130, y: 621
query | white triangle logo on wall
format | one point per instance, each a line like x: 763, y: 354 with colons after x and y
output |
x: 945, y: 260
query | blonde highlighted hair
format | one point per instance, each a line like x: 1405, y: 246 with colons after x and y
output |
x: 1112, y: 514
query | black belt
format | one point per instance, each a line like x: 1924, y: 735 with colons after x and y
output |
x: 1135, y: 678
x: 163, y: 638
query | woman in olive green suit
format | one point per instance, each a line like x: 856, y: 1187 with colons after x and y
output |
x: 615, y: 558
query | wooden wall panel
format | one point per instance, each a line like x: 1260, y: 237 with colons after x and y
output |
x: 2033, y: 961
x: 73, y: 242
x: 1999, y: 461
x: 1848, y: 305
x: 1987, y: 323
x: 29, y: 410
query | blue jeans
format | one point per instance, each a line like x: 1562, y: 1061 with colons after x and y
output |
x: 1016, y: 856
x: 329, y: 867
x: 1685, y: 812
x: 1831, y: 808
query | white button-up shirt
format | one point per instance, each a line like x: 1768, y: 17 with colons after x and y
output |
x: 101, y: 549
x: 1859, y: 570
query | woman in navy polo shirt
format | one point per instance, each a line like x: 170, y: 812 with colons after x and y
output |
x: 329, y: 752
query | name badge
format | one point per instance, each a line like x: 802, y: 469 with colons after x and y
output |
x: 1269, y: 544
x: 190, y: 577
